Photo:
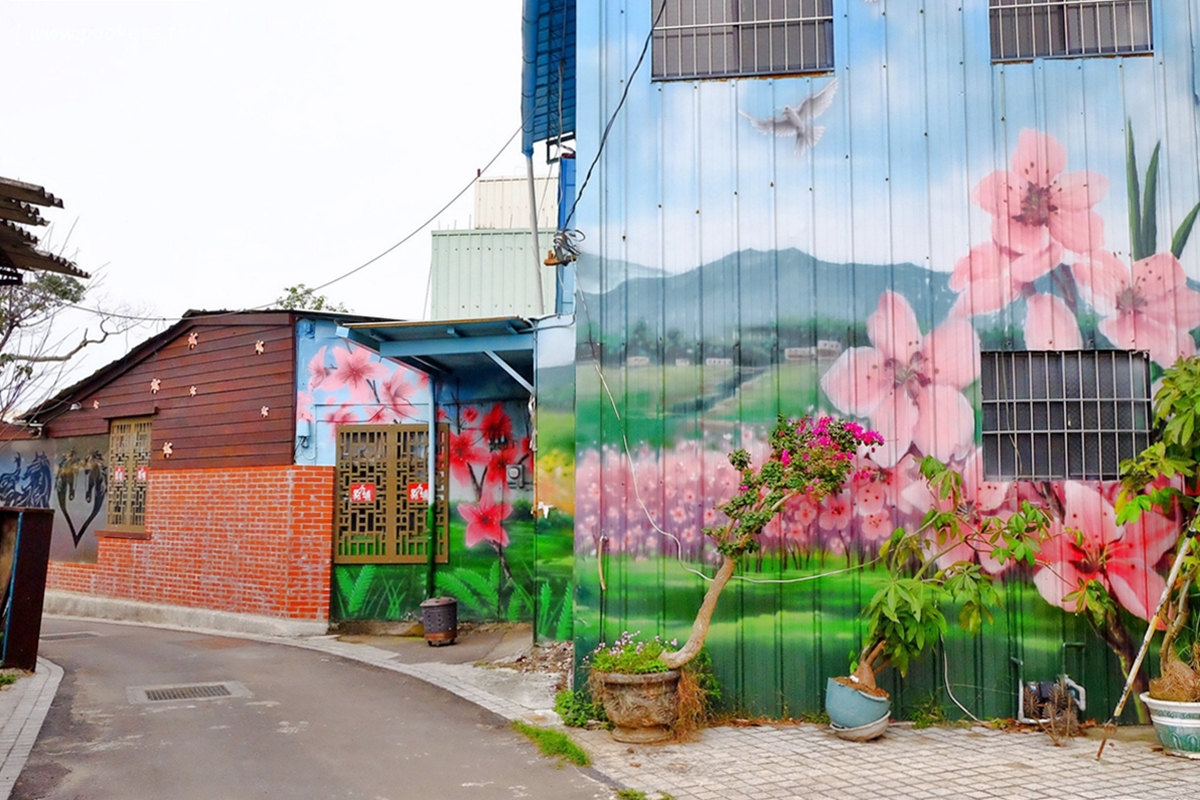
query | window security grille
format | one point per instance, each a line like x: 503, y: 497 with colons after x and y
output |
x: 725, y: 38
x: 128, y: 468
x: 1025, y: 29
x: 1063, y: 415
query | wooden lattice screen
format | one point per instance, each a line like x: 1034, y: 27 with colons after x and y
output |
x: 377, y: 520
x: 128, y: 471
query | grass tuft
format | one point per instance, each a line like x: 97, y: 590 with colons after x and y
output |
x: 554, y: 743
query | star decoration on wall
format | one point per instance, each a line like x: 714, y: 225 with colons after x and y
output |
x: 192, y: 391
x: 193, y: 340
x: 95, y: 404
x: 168, y: 449
x: 155, y: 385
x: 260, y: 347
x: 265, y: 411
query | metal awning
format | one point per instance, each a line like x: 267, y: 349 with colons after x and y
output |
x: 471, y: 347
x: 548, y: 72
x: 18, y: 247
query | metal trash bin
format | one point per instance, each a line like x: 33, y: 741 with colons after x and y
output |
x: 439, y: 615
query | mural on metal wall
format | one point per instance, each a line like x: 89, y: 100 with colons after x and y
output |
x: 66, y: 475
x: 858, y: 268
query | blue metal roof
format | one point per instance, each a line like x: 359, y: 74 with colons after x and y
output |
x: 548, y: 74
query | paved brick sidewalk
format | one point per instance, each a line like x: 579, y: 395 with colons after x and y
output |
x: 23, y: 708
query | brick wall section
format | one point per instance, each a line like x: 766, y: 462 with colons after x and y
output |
x: 253, y: 541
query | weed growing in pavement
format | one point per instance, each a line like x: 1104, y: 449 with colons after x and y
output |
x: 554, y: 743
x: 814, y: 717
x: 928, y: 712
x: 578, y: 708
x: 634, y: 794
x: 7, y: 679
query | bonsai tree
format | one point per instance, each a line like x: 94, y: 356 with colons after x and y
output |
x: 905, y: 616
x: 808, y: 458
x: 1166, y: 476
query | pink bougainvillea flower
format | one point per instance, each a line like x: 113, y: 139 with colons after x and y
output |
x: 465, y: 453
x: 909, y: 385
x: 1151, y: 309
x: 496, y: 427
x: 1050, y: 325
x: 990, y: 277
x: 394, y: 394
x: 1035, y: 202
x: 317, y: 371
x: 354, y: 368
x: 485, y: 522
x: 342, y: 415
x: 1089, y: 545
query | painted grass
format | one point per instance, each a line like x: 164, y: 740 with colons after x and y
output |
x: 554, y: 743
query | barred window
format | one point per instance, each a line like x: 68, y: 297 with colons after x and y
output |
x: 128, y: 471
x: 1025, y: 29
x: 1063, y: 415
x: 724, y: 38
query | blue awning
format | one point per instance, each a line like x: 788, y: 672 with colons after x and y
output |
x: 548, y: 74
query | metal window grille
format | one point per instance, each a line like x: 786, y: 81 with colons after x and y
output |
x: 724, y: 38
x: 1025, y: 29
x: 128, y: 468
x: 1063, y: 415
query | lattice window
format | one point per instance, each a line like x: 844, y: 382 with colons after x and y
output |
x: 1025, y: 29
x: 379, y: 520
x: 725, y: 38
x: 1063, y: 415
x: 128, y: 473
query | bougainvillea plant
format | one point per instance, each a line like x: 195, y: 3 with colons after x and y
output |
x: 809, y: 458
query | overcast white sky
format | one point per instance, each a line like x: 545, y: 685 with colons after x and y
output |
x: 211, y: 154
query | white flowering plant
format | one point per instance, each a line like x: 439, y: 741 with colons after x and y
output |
x: 631, y: 656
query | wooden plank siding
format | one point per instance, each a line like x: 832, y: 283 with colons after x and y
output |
x: 222, y: 425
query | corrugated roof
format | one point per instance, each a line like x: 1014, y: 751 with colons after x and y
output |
x: 18, y: 247
x: 548, y: 74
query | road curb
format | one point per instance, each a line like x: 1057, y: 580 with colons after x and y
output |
x: 23, y: 709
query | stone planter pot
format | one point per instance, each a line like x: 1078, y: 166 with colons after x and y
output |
x: 859, y: 715
x: 642, y: 708
x: 1177, y: 725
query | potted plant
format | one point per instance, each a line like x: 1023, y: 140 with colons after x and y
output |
x: 810, y: 458
x: 1165, y: 477
x: 905, y: 616
x: 638, y: 692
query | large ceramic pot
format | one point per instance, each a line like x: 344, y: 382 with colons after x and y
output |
x: 855, y: 714
x: 642, y: 708
x: 1177, y: 725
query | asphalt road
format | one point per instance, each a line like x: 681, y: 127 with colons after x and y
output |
x: 310, y: 726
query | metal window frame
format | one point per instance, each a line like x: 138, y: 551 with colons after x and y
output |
x: 1069, y: 28
x: 1039, y: 424
x: 129, y: 442
x: 725, y: 40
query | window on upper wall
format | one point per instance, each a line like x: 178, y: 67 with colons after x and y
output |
x: 1025, y: 29
x: 128, y: 471
x: 1063, y: 415
x: 726, y: 38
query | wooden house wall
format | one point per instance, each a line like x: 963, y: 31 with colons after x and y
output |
x: 223, y: 424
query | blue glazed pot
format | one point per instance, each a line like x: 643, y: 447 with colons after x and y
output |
x: 849, y: 708
x: 1177, y: 725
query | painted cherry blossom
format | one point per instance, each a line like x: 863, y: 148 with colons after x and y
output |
x: 496, y: 427
x: 1035, y: 202
x: 909, y: 385
x: 991, y: 277
x: 354, y: 369
x: 1151, y: 308
x: 304, y: 407
x: 465, y: 453
x: 1050, y: 325
x: 342, y: 415
x: 484, y: 522
x: 1088, y: 545
x: 317, y: 370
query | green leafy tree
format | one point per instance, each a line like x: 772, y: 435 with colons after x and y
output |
x: 302, y: 298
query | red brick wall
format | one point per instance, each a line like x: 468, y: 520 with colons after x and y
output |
x: 255, y: 540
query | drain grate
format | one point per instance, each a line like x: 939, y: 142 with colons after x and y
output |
x: 61, y: 637
x: 188, y: 691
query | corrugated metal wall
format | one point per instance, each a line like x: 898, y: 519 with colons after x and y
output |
x: 503, y: 203
x: 724, y: 275
x: 488, y: 273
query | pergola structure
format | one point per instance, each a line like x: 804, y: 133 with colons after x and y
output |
x: 19, y: 204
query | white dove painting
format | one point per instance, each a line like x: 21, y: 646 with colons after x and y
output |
x: 798, y: 120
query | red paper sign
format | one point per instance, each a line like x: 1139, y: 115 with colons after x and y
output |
x: 118, y: 475
x: 143, y: 472
x: 362, y: 493
x: 418, y: 493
